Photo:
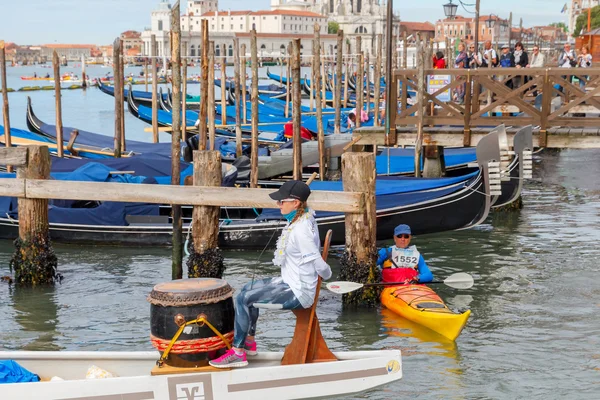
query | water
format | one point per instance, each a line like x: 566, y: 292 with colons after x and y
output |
x: 535, y: 325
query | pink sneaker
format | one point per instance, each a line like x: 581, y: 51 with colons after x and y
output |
x: 230, y: 360
x: 250, y: 348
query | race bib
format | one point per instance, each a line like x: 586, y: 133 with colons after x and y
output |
x: 405, y: 258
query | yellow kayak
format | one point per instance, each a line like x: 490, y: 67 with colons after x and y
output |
x: 422, y: 305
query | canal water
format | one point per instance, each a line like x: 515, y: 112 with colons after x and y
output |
x: 534, y: 331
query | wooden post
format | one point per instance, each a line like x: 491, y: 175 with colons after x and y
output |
x: 311, y: 102
x: 203, y: 87
x: 468, y: 101
x: 153, y: 53
x: 378, y: 77
x: 254, y: 99
x: 358, y: 261
x: 184, y: 96
x: 347, y: 77
x: 206, y: 259
x: 338, y: 81
x: 316, y: 79
x: 404, y: 51
x: 546, y: 110
x: 360, y: 85
x: 5, y: 107
x: 177, y: 257
x: 238, y: 102
x: 223, y: 90
x: 118, y: 86
x: 83, y: 75
x: 287, y: 83
x: 323, y: 78
x: 34, y: 261
x: 296, y: 110
x: 122, y: 96
x: 146, y: 74
x: 211, y: 95
x: 58, y: 104
x: 244, y: 81
x: 421, y: 55
x: 367, y: 65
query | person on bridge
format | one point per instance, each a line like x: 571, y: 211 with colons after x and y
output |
x: 489, y: 55
x: 401, y: 263
x: 584, y: 60
x: 301, y: 263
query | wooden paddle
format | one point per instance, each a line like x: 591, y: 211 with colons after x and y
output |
x: 459, y: 280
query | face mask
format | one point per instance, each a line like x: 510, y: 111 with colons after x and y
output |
x: 290, y: 216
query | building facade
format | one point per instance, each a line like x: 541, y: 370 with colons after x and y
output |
x: 275, y: 27
x: 461, y: 28
x: 70, y: 52
x: 576, y: 8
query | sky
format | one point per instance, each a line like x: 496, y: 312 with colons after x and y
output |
x: 101, y: 21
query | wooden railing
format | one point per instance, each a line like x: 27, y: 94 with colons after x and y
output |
x: 489, y: 101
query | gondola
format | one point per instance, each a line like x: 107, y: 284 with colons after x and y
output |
x: 274, y: 91
x: 138, y: 95
x: 428, y: 205
x: 97, y: 140
x: 281, y: 79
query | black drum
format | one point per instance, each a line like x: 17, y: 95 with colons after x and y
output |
x: 177, y: 302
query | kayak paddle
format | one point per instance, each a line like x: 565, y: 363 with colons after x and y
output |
x: 459, y: 280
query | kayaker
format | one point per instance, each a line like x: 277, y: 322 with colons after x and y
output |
x: 401, y: 263
x: 298, y: 255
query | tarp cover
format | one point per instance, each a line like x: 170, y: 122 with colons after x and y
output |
x: 12, y: 372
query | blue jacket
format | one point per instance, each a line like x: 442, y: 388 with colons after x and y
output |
x: 425, y: 274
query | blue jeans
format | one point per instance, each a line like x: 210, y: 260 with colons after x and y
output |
x: 266, y: 291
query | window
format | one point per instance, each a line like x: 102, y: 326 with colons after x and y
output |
x: 193, y: 50
x: 222, y: 27
x: 282, y: 48
x: 160, y: 25
x: 253, y: 26
x: 263, y: 47
x: 197, y: 22
x: 217, y: 50
x: 231, y: 27
x: 230, y: 50
x: 241, y: 26
x: 212, y: 27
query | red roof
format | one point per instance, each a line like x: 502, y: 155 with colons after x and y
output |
x: 266, y: 12
x: 131, y: 35
x: 418, y: 26
x: 225, y: 13
x: 295, y: 13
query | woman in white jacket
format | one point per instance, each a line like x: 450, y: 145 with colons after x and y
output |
x: 301, y: 265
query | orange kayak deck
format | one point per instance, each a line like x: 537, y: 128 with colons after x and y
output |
x: 422, y: 305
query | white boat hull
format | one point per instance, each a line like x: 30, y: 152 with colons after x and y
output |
x: 263, y: 379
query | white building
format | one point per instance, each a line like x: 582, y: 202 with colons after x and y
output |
x: 275, y: 29
x: 576, y: 8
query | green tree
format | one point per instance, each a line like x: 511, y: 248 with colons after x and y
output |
x: 333, y: 27
x: 581, y: 23
x: 561, y: 25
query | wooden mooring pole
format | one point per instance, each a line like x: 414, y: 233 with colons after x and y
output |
x: 238, y: 100
x: 122, y: 96
x: 34, y: 262
x: 296, y: 110
x: 146, y: 74
x: 184, y: 95
x: 378, y: 76
x: 118, y: 87
x: 421, y: 56
x: 223, y: 88
x: 211, y: 95
x: 348, y: 73
x: 359, y: 81
x: 154, y: 90
x: 204, y: 82
x: 318, y: 102
x: 177, y: 257
x: 358, y: 261
x: 206, y: 259
x: 254, y: 99
x: 244, y: 80
x: 338, y: 82
x: 5, y: 105
x: 288, y: 79
x: 58, y: 104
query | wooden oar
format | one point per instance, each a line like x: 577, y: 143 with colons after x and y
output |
x: 459, y: 280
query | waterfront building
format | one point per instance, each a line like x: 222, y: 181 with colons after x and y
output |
x: 576, y: 8
x: 70, y: 52
x: 275, y: 27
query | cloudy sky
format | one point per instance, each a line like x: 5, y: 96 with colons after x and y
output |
x: 100, y: 21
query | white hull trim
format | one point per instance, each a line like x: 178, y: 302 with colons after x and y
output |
x: 263, y: 379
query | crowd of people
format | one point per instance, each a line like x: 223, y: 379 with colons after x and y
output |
x: 467, y: 58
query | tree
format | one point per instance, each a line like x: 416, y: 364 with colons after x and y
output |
x: 561, y: 25
x: 581, y: 24
x: 333, y: 27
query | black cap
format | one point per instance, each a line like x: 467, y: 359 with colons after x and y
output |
x: 292, y: 190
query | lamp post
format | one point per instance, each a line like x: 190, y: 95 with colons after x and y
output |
x: 450, y: 12
x: 490, y: 23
